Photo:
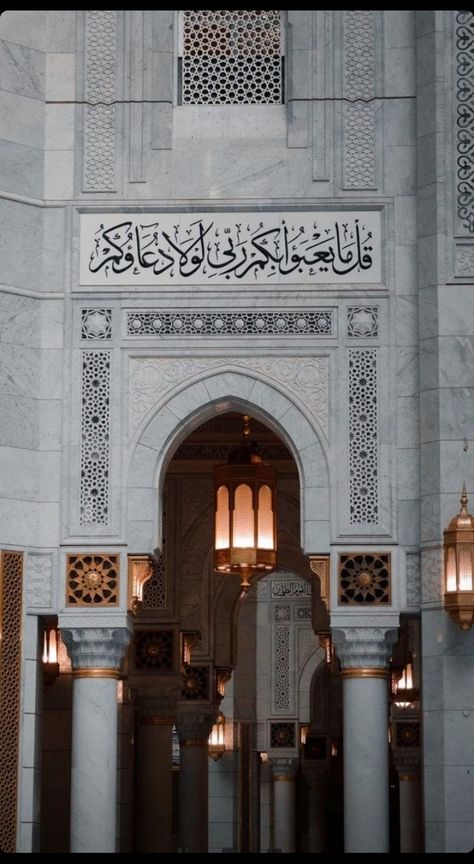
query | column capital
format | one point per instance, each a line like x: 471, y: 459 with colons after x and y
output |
x: 284, y: 768
x: 158, y: 704
x: 95, y: 649
x: 314, y: 773
x: 407, y: 764
x: 195, y: 727
x: 366, y: 650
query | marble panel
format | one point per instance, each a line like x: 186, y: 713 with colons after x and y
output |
x: 54, y: 256
x: 163, y: 69
x: 18, y: 421
x: 21, y: 169
x: 456, y: 361
x: 60, y: 77
x: 49, y: 423
x: 405, y: 220
x: 21, y: 120
x: 426, y: 152
x: 459, y: 835
x: 407, y: 320
x: 434, y: 735
x: 434, y: 836
x: 24, y: 27
x: 433, y: 792
x: 425, y: 20
x: 399, y: 28
x: 459, y: 792
x: 52, y: 360
x: 163, y: 33
x: 19, y: 367
x: 456, y: 310
x: 431, y: 526
x: 160, y: 429
x: 433, y: 689
x: 29, y: 781
x: 428, y: 265
x: 141, y: 537
x: 455, y: 462
x: 399, y: 119
x: 48, y: 523
x: 49, y: 475
x: 408, y: 478
x: 456, y: 410
x: 316, y: 502
x: 408, y: 432
x: 426, y: 109
x: 430, y: 468
x: 406, y: 269
x: 316, y: 537
x: 399, y: 67
x: 59, y: 174
x: 31, y: 691
x: 20, y: 221
x: 298, y: 428
x: 428, y: 310
x: 314, y: 465
x: 18, y: 473
x: 61, y: 31
x: 141, y: 501
x: 428, y: 209
x: 22, y: 69
x: 430, y: 424
x: 229, y: 384
x: 190, y: 400
x: 399, y: 169
x: 425, y: 59
x: 459, y: 735
x: 407, y: 372
x: 408, y: 523
x: 59, y: 127
x: 30, y: 740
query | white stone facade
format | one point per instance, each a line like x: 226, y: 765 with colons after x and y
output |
x: 358, y: 356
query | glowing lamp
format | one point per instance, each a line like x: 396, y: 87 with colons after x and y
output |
x: 216, y: 743
x: 459, y: 566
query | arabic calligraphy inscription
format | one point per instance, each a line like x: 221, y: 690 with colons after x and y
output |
x: 227, y: 248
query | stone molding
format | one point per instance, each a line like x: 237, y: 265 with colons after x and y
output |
x: 364, y: 647
x: 96, y: 647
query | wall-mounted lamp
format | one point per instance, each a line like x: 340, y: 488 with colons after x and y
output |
x: 189, y: 640
x: 140, y: 570
x: 50, y: 654
x: 216, y: 743
x: 405, y: 694
x: 245, y: 504
x: 459, y: 566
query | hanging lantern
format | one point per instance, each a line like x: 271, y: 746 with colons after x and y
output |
x: 406, y: 694
x: 216, y: 742
x: 459, y: 566
x: 50, y: 656
x: 245, y: 502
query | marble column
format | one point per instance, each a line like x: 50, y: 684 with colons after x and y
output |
x: 153, y: 770
x: 364, y: 653
x: 96, y: 654
x: 284, y: 772
x: 317, y: 781
x: 193, y: 732
x: 408, y: 767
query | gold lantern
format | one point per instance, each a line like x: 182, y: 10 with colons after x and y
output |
x: 459, y: 566
x: 245, y: 508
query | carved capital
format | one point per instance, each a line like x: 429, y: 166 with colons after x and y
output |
x: 284, y: 768
x: 364, y: 648
x: 195, y: 726
x: 158, y: 703
x: 314, y: 774
x: 408, y: 765
x: 95, y: 647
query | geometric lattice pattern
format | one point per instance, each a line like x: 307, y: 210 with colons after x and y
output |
x: 230, y: 323
x: 364, y: 578
x: 363, y: 492
x: 154, y: 591
x: 282, y: 668
x: 282, y: 734
x: 465, y: 117
x: 96, y: 324
x: 95, y: 437
x: 195, y: 683
x: 359, y: 84
x: 231, y: 57
x: 99, y: 131
x: 362, y: 321
x: 11, y: 578
x: 93, y: 580
x: 408, y: 735
x: 154, y: 650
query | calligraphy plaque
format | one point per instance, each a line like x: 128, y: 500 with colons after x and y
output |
x: 269, y: 248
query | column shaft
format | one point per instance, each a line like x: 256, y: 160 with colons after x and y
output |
x: 193, y: 796
x: 94, y: 765
x: 410, y: 815
x: 366, y: 780
x: 284, y: 802
x: 154, y: 787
